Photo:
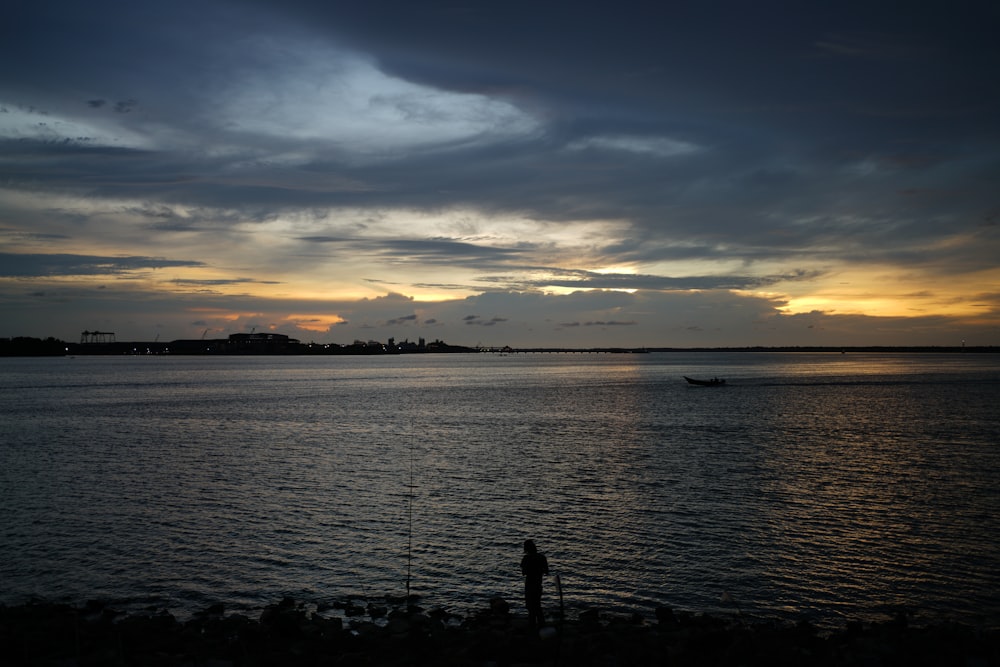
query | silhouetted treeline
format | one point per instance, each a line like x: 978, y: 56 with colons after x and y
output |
x: 31, y: 347
x: 23, y: 346
x: 276, y: 345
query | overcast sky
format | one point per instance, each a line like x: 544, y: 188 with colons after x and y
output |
x: 710, y: 173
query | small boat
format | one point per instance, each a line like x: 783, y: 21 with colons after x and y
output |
x: 714, y: 382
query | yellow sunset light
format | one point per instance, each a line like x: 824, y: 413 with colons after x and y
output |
x: 876, y: 293
x: 318, y: 323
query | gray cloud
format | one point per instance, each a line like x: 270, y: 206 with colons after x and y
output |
x: 590, y: 280
x: 24, y: 265
x: 221, y: 281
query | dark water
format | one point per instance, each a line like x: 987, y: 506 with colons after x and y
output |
x: 820, y: 486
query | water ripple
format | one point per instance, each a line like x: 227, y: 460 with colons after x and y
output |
x: 802, y: 489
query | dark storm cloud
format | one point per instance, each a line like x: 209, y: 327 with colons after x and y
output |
x: 26, y: 265
x: 17, y: 235
x: 591, y: 280
x: 476, y: 320
x: 751, y: 144
x: 618, y: 71
x: 79, y: 163
x: 670, y: 55
x: 220, y: 282
x: 598, y: 323
x: 426, y: 251
x: 401, y: 321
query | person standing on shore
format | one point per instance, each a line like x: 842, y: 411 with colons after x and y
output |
x: 534, y: 566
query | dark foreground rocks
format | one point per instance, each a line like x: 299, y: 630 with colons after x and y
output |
x: 288, y: 634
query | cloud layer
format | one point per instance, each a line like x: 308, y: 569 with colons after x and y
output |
x: 514, y: 175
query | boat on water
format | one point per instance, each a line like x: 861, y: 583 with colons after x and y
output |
x: 714, y: 382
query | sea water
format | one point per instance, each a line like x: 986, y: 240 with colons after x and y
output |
x: 825, y: 487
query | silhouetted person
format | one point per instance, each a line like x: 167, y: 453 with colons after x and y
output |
x: 534, y: 566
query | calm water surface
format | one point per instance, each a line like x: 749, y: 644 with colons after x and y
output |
x: 818, y: 486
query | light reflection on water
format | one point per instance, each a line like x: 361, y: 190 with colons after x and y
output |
x: 825, y: 486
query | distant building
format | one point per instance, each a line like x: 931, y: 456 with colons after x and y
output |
x: 97, y: 337
x: 262, y: 343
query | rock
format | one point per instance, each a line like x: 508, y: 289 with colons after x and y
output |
x: 354, y: 610
x: 284, y: 618
x: 42, y: 634
x: 499, y: 606
x: 665, y: 616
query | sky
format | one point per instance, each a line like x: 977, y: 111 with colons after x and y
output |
x: 659, y: 174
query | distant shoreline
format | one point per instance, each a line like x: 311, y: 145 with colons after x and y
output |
x: 37, y: 347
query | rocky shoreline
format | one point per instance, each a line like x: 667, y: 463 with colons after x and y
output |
x: 288, y: 633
